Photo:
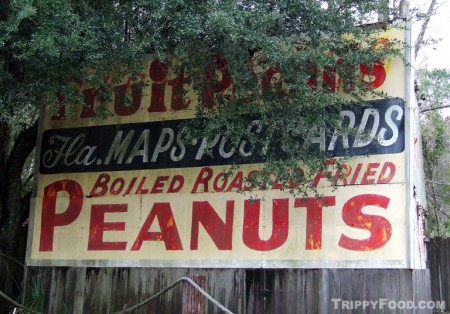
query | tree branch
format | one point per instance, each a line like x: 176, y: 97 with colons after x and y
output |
x: 419, y: 41
x: 439, y: 183
x: 434, y: 108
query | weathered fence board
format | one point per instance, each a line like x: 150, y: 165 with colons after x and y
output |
x: 246, y: 291
x: 438, y: 250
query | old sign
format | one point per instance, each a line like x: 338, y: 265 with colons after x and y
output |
x: 127, y: 191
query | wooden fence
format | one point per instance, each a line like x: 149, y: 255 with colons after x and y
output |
x: 246, y: 291
x: 438, y: 250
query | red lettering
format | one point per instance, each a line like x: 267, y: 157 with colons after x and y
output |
x: 140, y: 189
x: 158, y: 73
x: 176, y: 184
x: 220, y: 178
x: 221, y: 232
x: 356, y: 173
x: 169, y: 231
x: 323, y: 174
x: 178, y: 91
x: 121, y: 106
x: 89, y: 100
x: 209, y: 92
x: 61, y: 113
x: 90, y: 95
x: 280, y: 225
x: 269, y: 79
x: 98, y: 226
x: 117, y: 186
x: 101, y: 184
x: 329, y: 79
x: 342, y: 174
x: 376, y: 74
x: 370, y: 172
x: 250, y: 180
x: 386, y: 178
x: 314, y: 219
x: 130, y: 186
x: 159, y: 184
x: 313, y: 74
x: 237, y: 182
x: 203, y: 177
x: 50, y: 219
x: 346, y: 85
x: 379, y: 227
x: 297, y: 178
x: 277, y: 185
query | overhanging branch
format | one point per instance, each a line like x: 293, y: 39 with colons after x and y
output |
x: 434, y: 108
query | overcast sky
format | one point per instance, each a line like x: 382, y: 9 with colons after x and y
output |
x: 436, y: 56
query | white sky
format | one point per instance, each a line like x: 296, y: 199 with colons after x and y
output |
x: 436, y: 56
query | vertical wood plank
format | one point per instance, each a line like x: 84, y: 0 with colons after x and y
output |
x: 243, y: 291
x: 193, y: 301
x: 326, y: 282
x: 79, y: 291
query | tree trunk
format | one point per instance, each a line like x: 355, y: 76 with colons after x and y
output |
x: 14, y: 209
x: 4, y: 144
x: 419, y: 41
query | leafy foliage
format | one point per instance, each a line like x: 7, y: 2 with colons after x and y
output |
x: 50, y: 43
x: 434, y: 87
x: 46, y: 47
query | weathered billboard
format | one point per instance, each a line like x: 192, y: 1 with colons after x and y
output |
x: 127, y: 191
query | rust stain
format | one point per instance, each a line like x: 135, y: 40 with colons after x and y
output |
x: 170, y: 222
x: 314, y: 244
